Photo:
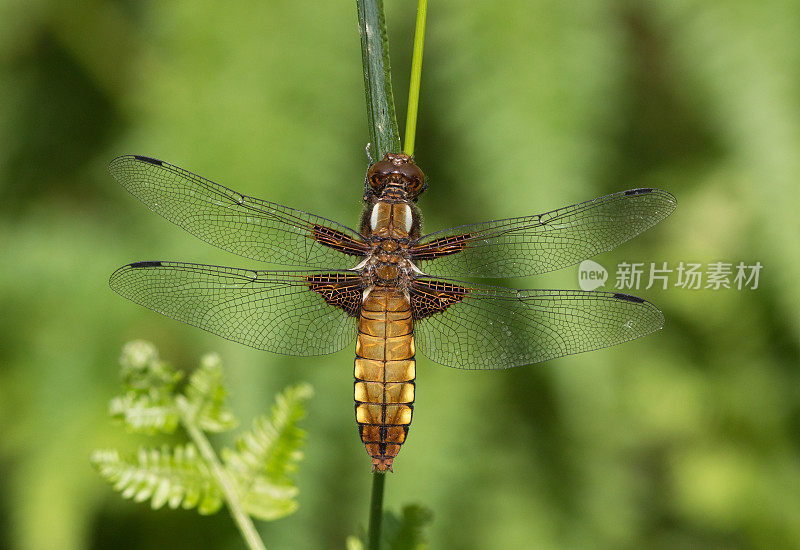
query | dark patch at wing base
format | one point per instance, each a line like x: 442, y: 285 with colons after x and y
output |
x: 431, y: 297
x: 440, y: 247
x: 338, y: 290
x: 337, y: 240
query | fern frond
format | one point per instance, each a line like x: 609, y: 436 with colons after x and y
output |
x: 206, y: 396
x: 266, y: 455
x: 267, y: 501
x: 141, y: 413
x: 148, y: 404
x: 142, y: 371
x: 173, y: 477
x: 272, y: 447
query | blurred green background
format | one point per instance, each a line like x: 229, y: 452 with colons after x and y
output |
x: 687, y: 438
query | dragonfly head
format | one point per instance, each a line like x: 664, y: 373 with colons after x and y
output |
x: 396, y: 175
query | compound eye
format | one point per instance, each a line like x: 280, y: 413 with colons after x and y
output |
x: 415, y: 188
x: 415, y: 178
x: 377, y: 174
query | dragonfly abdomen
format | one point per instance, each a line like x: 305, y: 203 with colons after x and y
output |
x: 384, y: 374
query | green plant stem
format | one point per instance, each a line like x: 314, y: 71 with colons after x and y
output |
x: 416, y: 78
x: 242, y: 520
x: 375, y: 511
x: 383, y: 134
x: 384, y: 138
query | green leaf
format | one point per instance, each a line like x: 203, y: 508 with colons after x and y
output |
x: 405, y: 532
x: 206, y: 396
x: 381, y: 120
x: 267, y: 454
x: 172, y: 477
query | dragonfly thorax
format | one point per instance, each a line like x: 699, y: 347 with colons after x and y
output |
x: 388, y: 226
x: 388, y: 263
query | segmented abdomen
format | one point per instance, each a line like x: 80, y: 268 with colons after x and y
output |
x: 384, y: 373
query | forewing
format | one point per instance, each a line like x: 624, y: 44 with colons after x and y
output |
x: 244, y: 225
x: 470, y: 326
x: 290, y: 312
x: 518, y: 247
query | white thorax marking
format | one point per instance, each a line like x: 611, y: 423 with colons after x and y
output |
x: 373, y: 219
x: 408, y: 219
x: 360, y: 265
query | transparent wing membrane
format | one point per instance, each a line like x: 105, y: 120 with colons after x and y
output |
x: 244, y: 225
x: 278, y: 311
x: 458, y: 324
x: 518, y: 247
x: 487, y: 327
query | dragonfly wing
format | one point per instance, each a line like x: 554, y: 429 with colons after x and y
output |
x: 518, y: 247
x: 290, y: 312
x: 470, y: 326
x: 244, y: 225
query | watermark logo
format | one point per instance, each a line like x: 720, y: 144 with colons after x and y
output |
x: 685, y: 275
x: 591, y: 275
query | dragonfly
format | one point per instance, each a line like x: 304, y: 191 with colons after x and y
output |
x: 388, y: 286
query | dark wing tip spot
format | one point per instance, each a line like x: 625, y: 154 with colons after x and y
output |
x: 148, y: 160
x: 137, y: 265
x: 642, y: 191
x: 628, y: 298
